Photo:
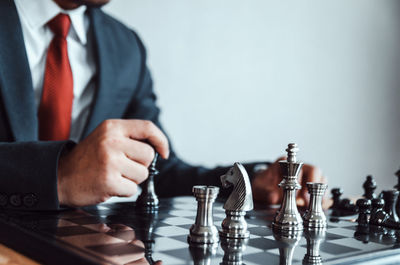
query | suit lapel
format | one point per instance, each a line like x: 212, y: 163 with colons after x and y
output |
x: 15, y: 76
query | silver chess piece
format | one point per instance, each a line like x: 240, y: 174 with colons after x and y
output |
x: 233, y: 250
x: 288, y: 241
x: 288, y: 217
x: 314, y: 238
x: 203, y: 231
x: 239, y: 201
x: 148, y: 198
x: 314, y: 216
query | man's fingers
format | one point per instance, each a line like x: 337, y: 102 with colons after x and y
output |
x: 147, y: 131
x: 133, y: 171
x: 123, y: 187
x: 137, y: 151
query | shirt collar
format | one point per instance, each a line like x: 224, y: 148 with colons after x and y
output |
x: 38, y: 12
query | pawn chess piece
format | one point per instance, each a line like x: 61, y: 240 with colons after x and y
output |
x: 336, y: 193
x: 390, y: 198
x: 288, y: 241
x: 288, y: 218
x: 364, y: 209
x: 203, y: 231
x: 148, y: 198
x: 369, y: 188
x: 314, y: 238
x: 238, y: 202
x: 315, y: 217
x: 233, y: 250
x: 362, y: 233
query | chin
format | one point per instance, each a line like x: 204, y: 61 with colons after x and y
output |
x: 95, y: 3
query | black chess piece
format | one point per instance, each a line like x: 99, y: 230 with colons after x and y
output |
x: 380, y: 217
x: 397, y: 187
x: 347, y: 207
x: 364, y: 209
x: 390, y: 198
x: 148, y: 198
x: 362, y: 233
x: 369, y: 188
x: 336, y: 193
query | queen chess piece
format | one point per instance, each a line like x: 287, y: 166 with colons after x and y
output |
x: 288, y: 217
x: 315, y: 216
x: 239, y: 201
x: 148, y: 198
x: 314, y: 239
x: 203, y: 232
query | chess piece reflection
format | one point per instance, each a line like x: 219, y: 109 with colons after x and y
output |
x: 288, y: 217
x: 288, y: 240
x: 148, y: 198
x: 238, y: 202
x: 314, y: 238
x: 145, y: 232
x: 202, y: 254
x: 233, y: 250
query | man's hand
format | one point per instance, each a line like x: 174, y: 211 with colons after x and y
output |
x: 111, y: 161
x: 265, y: 184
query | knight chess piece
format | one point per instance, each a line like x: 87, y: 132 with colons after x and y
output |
x: 238, y: 202
x: 369, y: 188
x: 314, y: 216
x: 148, y: 198
x: 314, y: 238
x: 288, y: 218
x: 379, y: 217
x: 364, y: 209
x: 390, y: 198
x: 233, y: 250
x: 288, y: 240
x: 203, y: 231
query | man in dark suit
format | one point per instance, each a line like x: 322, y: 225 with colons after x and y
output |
x: 78, y: 115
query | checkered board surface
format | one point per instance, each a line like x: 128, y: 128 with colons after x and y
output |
x: 114, y: 234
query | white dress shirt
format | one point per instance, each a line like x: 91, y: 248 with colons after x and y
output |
x: 34, y: 16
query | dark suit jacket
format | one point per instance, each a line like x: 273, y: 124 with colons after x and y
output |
x: 28, y: 167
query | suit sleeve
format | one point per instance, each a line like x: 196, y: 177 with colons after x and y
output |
x: 28, y: 174
x: 176, y: 176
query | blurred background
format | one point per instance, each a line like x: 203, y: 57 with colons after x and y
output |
x: 238, y: 80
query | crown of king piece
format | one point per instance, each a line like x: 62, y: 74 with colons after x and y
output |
x: 291, y: 152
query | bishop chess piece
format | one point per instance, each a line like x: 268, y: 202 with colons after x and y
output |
x: 369, y: 188
x: 233, y: 250
x: 364, y: 209
x: 238, y: 202
x: 288, y: 241
x: 315, y: 217
x: 288, y: 218
x: 390, y: 198
x: 314, y: 238
x: 148, y: 198
x: 203, y: 231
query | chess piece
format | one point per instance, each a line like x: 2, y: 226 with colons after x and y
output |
x: 145, y: 232
x: 362, y: 233
x: 397, y: 174
x: 364, y: 209
x: 238, y: 202
x: 315, y: 217
x: 380, y: 217
x: 336, y: 193
x: 288, y: 240
x: 148, y: 198
x: 390, y: 198
x: 288, y: 218
x: 314, y: 238
x: 369, y: 188
x: 203, y: 231
x: 233, y: 250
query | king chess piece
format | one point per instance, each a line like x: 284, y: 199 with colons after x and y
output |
x: 239, y: 201
x: 288, y: 218
x: 148, y: 198
x: 369, y: 188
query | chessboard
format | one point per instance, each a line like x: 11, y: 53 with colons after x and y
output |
x: 120, y: 233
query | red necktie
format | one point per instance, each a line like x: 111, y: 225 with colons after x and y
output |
x: 57, y: 96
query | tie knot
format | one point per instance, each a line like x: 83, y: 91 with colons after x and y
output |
x: 60, y: 25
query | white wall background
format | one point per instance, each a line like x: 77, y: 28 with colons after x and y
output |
x: 238, y: 80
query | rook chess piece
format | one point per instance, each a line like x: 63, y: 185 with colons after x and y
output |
x: 314, y: 238
x: 390, y: 198
x: 315, y: 217
x: 239, y: 201
x: 203, y: 231
x: 288, y: 218
x: 364, y: 209
x: 148, y: 198
x: 369, y: 188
